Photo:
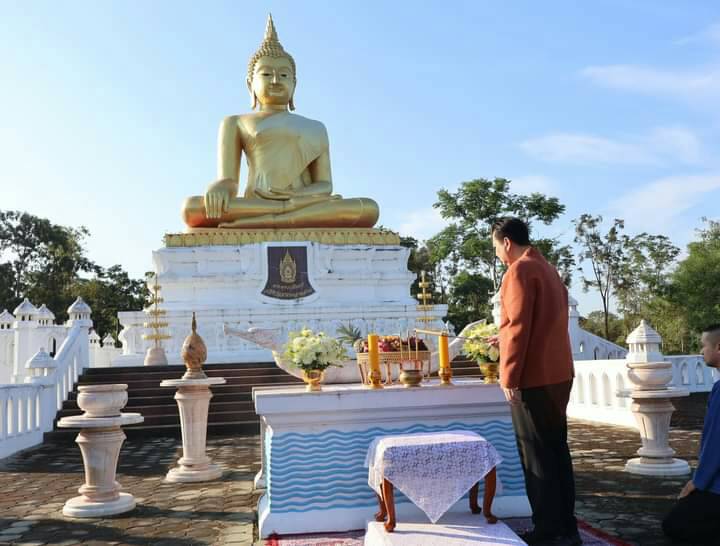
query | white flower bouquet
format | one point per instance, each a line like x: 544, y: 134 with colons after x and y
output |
x: 476, y: 345
x: 313, y: 351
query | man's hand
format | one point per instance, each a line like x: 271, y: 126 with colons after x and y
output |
x: 512, y: 396
x: 493, y: 341
x: 689, y: 488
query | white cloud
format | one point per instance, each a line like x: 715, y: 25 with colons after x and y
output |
x: 701, y: 84
x: 422, y: 223
x: 661, y: 146
x: 654, y: 206
x: 710, y: 34
x: 534, y: 183
x: 677, y: 142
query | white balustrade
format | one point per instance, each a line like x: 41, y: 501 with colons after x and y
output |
x: 28, y: 410
x: 594, y: 396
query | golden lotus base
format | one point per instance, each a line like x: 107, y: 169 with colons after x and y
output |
x: 235, y: 237
x: 489, y: 371
x: 313, y: 378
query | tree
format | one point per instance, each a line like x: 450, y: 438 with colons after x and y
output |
x: 110, y: 291
x: 595, y: 324
x: 44, y: 259
x: 695, y: 284
x: 469, y: 297
x: 475, y: 207
x: 45, y: 262
x: 644, y: 274
x: 465, y: 269
x: 606, y: 255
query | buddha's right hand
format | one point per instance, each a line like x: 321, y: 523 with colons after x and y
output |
x: 217, y: 197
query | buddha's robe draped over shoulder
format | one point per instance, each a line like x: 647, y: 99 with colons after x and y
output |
x: 279, y: 149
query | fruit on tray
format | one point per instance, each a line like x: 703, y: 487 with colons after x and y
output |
x: 390, y: 344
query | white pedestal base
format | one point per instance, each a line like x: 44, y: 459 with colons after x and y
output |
x: 452, y: 530
x: 365, y: 286
x: 182, y: 474
x: 677, y: 467
x: 80, y: 507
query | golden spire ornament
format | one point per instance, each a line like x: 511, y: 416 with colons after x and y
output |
x: 424, y: 296
x: 270, y: 47
x: 155, y: 355
x: 194, y: 353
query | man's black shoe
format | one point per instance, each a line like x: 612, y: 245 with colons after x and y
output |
x: 533, y: 537
x: 537, y: 539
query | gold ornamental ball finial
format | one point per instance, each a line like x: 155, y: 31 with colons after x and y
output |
x: 270, y: 47
x: 194, y: 353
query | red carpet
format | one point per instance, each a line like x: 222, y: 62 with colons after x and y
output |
x: 590, y: 535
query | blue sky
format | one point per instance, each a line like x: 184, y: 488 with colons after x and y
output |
x: 109, y: 110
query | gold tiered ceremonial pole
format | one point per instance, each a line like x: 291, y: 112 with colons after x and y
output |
x: 155, y: 355
x: 424, y: 306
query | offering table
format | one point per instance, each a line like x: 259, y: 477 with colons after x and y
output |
x: 314, y: 448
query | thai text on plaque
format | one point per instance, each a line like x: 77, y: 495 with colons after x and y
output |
x: 287, y: 273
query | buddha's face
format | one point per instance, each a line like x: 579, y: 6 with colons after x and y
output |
x: 273, y: 81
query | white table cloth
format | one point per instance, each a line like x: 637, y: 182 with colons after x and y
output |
x: 434, y: 470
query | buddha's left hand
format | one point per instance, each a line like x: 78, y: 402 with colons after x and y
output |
x: 275, y: 195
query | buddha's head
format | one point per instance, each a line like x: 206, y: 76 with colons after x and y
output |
x: 271, y: 72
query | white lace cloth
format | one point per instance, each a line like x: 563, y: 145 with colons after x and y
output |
x: 434, y: 470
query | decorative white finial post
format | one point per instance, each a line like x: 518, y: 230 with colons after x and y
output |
x: 24, y: 345
x: 652, y: 408
x: 193, y: 398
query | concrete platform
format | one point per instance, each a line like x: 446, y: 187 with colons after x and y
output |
x: 454, y: 529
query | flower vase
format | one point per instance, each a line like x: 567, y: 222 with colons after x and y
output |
x: 489, y: 371
x: 313, y: 378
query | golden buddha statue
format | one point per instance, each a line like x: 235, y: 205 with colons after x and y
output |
x: 289, y: 182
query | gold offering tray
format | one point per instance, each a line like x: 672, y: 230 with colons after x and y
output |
x: 394, y: 358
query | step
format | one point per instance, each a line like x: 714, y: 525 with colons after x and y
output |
x: 216, y: 389
x: 170, y: 408
x: 177, y: 374
x: 169, y: 399
x: 237, y: 428
x: 142, y: 383
x: 177, y: 368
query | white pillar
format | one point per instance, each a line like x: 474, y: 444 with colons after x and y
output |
x: 100, y: 439
x: 193, y: 399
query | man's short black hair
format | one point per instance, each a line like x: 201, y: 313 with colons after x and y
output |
x: 713, y: 331
x: 514, y: 229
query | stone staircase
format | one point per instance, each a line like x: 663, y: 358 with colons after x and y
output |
x: 231, y: 407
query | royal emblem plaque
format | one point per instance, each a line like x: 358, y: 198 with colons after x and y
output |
x: 287, y: 273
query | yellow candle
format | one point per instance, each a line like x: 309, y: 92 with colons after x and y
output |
x: 373, y: 354
x: 444, y: 351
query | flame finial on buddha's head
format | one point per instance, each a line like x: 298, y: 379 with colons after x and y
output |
x: 270, y: 47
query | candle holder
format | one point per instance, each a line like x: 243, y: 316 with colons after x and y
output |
x: 445, y: 375
x: 375, y: 379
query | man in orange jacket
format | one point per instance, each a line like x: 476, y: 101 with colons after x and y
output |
x: 536, y: 373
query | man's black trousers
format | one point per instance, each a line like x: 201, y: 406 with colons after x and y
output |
x: 695, y: 519
x: 540, y: 423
